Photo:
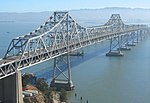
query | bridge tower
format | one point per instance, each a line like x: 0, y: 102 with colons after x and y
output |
x: 115, y: 42
x: 62, y: 69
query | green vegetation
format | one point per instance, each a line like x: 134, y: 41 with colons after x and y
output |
x: 28, y: 79
x: 42, y: 85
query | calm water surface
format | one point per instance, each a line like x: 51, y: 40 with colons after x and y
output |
x: 97, y: 78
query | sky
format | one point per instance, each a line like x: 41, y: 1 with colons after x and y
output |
x: 55, y: 5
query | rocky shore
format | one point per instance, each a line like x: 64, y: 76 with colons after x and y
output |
x: 38, y: 91
x: 39, y: 98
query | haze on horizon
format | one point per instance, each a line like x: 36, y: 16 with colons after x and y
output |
x: 54, y: 5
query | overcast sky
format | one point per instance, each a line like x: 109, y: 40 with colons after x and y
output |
x: 54, y: 5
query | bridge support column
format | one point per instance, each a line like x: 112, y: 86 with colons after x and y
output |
x: 115, y: 47
x: 142, y: 34
x: 146, y: 33
x: 137, y: 37
x: 11, y: 89
x: 62, y: 73
x: 132, y: 39
x: 124, y: 42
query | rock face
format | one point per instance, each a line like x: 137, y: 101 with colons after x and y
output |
x: 35, y: 99
x: 56, y: 97
x: 40, y: 98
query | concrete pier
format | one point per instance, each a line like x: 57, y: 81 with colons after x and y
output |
x: 124, y: 48
x: 113, y: 53
x: 11, y: 89
x: 61, y: 84
x: 76, y: 53
x: 130, y: 44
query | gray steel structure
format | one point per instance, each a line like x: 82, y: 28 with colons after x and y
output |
x: 58, y: 36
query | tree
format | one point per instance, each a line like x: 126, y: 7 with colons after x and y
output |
x: 28, y: 79
x: 42, y: 85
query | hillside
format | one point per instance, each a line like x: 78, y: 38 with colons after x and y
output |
x: 86, y: 17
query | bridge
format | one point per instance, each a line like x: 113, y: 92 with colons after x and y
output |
x: 56, y: 39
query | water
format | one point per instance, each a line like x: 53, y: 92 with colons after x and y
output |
x: 97, y: 78
x: 9, y: 30
x: 114, y: 80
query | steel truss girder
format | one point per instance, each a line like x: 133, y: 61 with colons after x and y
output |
x: 55, y: 36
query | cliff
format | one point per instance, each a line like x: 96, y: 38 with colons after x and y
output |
x: 39, y: 98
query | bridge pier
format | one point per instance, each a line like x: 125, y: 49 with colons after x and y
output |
x: 115, y: 47
x: 135, y: 37
x: 142, y: 34
x: 62, y: 84
x: 11, y: 89
x: 124, y: 41
x: 132, y: 39
x: 62, y: 73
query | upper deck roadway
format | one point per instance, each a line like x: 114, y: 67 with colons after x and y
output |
x: 59, y: 35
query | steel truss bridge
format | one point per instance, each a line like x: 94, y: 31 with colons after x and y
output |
x: 59, y: 36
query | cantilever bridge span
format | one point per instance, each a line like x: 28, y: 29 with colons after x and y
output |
x: 59, y: 36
